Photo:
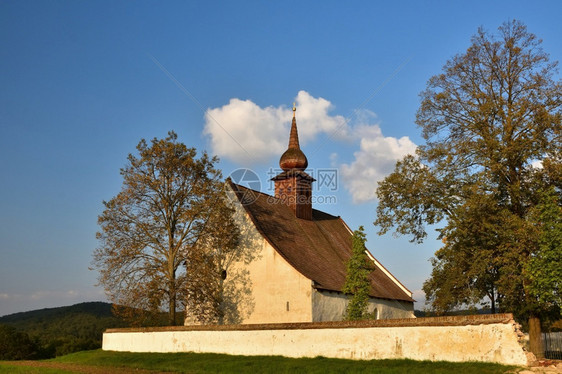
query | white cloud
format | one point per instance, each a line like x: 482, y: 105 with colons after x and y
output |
x: 313, y: 118
x: 375, y: 159
x: 248, y: 134
x: 245, y: 133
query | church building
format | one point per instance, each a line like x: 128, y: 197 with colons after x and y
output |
x: 300, y: 253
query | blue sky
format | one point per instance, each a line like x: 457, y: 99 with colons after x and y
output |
x: 82, y: 82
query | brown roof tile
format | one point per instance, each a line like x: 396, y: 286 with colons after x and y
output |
x: 318, y: 249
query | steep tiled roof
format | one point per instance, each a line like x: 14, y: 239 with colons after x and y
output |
x: 318, y: 249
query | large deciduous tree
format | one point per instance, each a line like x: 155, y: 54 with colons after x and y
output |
x: 492, y: 128
x: 166, y: 209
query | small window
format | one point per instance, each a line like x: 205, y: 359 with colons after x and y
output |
x: 287, y: 306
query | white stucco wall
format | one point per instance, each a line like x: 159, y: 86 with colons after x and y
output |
x: 280, y: 293
x: 489, y: 342
x: 331, y: 306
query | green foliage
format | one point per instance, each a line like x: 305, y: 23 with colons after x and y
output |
x: 16, y: 345
x: 487, y: 119
x: 410, y: 198
x: 481, y: 257
x: 545, y: 265
x: 357, y: 282
x: 59, y: 331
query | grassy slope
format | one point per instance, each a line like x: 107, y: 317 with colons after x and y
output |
x: 215, y: 363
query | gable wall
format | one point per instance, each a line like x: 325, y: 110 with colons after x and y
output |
x: 279, y: 292
x: 273, y: 281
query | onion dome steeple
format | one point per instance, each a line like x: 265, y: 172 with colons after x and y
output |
x: 293, y: 158
x: 293, y: 186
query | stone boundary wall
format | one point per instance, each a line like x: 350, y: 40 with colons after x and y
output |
x: 488, y: 338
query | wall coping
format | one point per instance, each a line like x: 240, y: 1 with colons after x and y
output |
x: 480, y: 319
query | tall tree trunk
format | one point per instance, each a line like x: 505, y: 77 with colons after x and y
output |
x: 535, y: 340
x: 492, y: 296
x: 221, y: 298
x: 172, y: 312
x: 172, y: 301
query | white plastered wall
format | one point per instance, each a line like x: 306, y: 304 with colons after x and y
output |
x: 488, y: 342
x: 330, y: 306
x: 279, y: 293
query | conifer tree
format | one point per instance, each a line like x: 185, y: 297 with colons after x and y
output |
x: 357, y: 282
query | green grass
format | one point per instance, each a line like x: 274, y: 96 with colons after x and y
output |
x: 196, y: 363
x: 11, y: 369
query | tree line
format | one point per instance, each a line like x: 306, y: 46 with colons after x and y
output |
x: 48, y: 333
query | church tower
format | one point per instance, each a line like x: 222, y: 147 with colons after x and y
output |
x: 294, y: 186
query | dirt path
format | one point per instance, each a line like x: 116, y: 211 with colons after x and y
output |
x: 544, y: 367
x: 84, y: 369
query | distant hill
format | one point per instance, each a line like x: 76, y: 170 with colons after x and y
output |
x: 65, y: 329
x: 98, y: 308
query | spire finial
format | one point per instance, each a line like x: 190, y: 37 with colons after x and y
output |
x: 293, y: 158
